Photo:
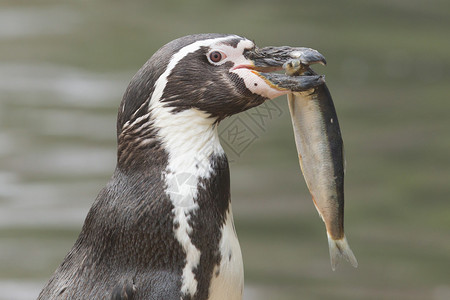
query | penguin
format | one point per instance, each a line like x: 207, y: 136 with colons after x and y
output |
x: 162, y: 227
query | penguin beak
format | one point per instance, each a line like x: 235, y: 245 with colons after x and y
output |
x: 268, y: 60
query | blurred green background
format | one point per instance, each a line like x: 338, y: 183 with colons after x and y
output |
x: 64, y: 66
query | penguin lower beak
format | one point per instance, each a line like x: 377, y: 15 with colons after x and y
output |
x: 268, y: 60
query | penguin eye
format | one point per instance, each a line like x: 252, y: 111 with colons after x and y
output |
x: 216, y: 56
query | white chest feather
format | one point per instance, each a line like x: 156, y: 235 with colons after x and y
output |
x: 228, y: 278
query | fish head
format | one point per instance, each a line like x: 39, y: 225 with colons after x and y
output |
x: 266, y: 62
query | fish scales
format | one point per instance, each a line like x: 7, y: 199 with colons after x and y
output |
x: 320, y: 148
x: 321, y: 160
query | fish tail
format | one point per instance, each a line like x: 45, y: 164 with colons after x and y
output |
x: 340, y: 249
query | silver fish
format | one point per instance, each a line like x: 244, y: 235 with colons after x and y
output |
x: 320, y: 151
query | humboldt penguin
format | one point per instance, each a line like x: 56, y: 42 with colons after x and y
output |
x: 162, y: 228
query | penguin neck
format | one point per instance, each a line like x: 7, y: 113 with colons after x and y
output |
x: 190, y: 139
x: 182, y: 148
x: 192, y: 143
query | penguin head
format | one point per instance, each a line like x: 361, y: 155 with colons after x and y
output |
x: 216, y: 74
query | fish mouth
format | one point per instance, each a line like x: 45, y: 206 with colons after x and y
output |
x: 295, y: 61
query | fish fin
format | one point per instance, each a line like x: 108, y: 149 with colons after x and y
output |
x: 338, y: 249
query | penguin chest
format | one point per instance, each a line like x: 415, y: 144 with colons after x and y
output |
x: 227, y: 281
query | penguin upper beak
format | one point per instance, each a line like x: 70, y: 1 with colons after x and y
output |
x: 270, y: 59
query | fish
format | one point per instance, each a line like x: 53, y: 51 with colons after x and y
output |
x: 321, y: 155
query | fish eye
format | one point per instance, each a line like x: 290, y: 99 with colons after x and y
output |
x: 216, y: 56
